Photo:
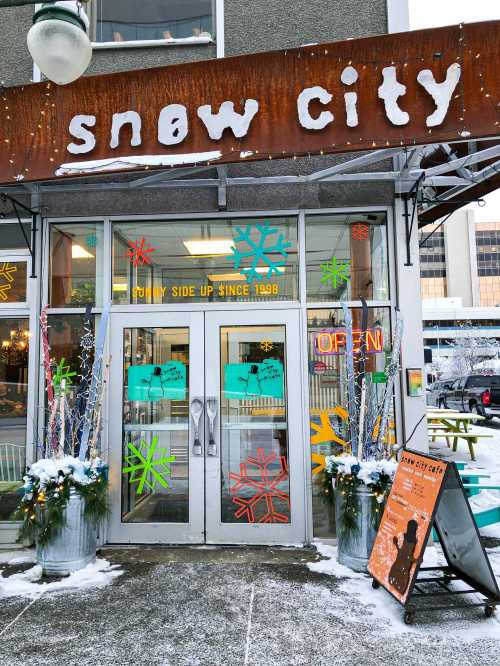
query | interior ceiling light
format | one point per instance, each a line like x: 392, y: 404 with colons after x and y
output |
x: 238, y: 277
x: 79, y: 252
x: 209, y: 248
x: 227, y: 277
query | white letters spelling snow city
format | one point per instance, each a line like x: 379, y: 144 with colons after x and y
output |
x: 173, y: 123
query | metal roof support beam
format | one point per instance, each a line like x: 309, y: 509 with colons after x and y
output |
x: 362, y: 160
x: 462, y: 171
x: 454, y: 165
x: 166, y: 175
x: 479, y: 177
x: 222, y: 188
x: 377, y: 176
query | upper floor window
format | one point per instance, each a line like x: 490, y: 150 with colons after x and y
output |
x: 132, y: 21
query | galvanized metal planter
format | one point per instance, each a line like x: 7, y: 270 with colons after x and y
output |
x: 74, y: 545
x: 355, y: 547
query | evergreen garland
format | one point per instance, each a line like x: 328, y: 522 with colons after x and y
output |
x: 346, y: 487
x: 345, y: 492
x: 42, y: 509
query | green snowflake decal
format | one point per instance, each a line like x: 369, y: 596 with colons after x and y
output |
x: 269, y: 251
x: 62, y: 372
x: 333, y: 272
x: 145, y: 469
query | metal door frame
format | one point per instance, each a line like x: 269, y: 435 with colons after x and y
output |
x: 118, y: 531
x: 250, y: 533
x: 204, y: 471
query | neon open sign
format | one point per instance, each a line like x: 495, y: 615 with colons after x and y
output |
x: 333, y: 341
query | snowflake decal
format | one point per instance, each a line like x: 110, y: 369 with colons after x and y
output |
x: 325, y: 434
x: 257, y: 488
x: 359, y: 231
x: 7, y: 271
x: 62, y: 372
x: 333, y: 272
x: 4, y: 291
x: 266, y: 345
x: 145, y: 469
x: 139, y: 251
x: 91, y: 241
x: 267, y: 251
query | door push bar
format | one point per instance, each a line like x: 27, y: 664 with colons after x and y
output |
x: 212, y: 415
x: 197, y: 408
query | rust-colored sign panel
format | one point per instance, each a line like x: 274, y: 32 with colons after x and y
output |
x: 428, y: 86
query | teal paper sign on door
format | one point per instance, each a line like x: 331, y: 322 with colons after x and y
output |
x: 249, y: 381
x: 157, y: 382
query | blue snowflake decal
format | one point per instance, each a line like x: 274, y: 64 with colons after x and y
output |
x: 269, y: 252
x: 91, y: 241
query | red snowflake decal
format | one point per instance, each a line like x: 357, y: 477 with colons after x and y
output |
x: 138, y: 252
x: 257, y: 487
x: 360, y: 231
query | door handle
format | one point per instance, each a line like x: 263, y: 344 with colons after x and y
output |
x: 212, y: 406
x: 196, y: 412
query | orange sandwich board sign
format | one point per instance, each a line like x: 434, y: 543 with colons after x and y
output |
x: 427, y: 492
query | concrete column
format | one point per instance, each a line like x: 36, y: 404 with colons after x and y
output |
x: 398, y: 16
x: 458, y: 258
x: 412, y: 347
x: 474, y: 276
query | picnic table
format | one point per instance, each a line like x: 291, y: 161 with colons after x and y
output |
x: 454, y: 426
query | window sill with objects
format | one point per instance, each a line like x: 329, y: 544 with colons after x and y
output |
x: 148, y: 43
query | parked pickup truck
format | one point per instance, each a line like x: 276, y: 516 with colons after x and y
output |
x: 479, y: 394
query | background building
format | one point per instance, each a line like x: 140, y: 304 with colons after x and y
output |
x: 460, y: 281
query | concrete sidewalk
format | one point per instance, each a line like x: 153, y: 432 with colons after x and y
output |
x: 227, y: 606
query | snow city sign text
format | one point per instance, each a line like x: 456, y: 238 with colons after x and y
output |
x: 429, y: 86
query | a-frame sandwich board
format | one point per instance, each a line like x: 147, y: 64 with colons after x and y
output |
x: 428, y: 492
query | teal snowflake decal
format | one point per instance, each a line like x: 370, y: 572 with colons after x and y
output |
x: 145, y: 469
x: 269, y: 252
x: 91, y: 241
x: 334, y: 272
x: 62, y: 372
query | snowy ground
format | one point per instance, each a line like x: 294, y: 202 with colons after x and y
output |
x: 487, y: 462
x: 225, y: 607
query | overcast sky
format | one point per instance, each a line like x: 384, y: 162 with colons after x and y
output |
x: 429, y: 13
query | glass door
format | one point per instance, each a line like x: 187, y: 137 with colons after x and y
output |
x: 206, y: 429
x: 254, y: 461
x: 156, y: 466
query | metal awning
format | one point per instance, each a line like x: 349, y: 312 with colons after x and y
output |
x: 438, y: 178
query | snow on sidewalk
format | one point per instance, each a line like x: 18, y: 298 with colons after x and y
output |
x: 487, y: 452
x: 28, y: 584
x: 467, y: 624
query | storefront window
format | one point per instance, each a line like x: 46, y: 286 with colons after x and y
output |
x: 254, y: 425
x: 242, y: 259
x: 156, y: 425
x: 328, y: 390
x: 14, y: 347
x: 346, y: 257
x: 76, y: 264
x: 13, y: 281
x: 65, y: 334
